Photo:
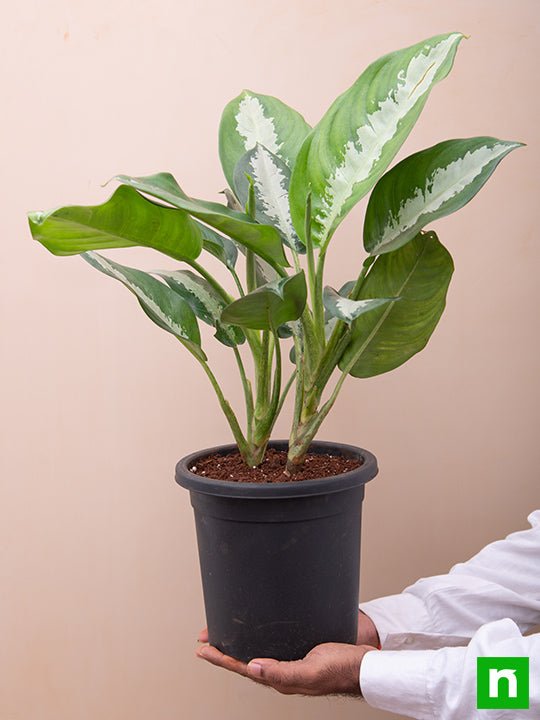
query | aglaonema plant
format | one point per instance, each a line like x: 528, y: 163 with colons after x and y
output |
x: 290, y: 186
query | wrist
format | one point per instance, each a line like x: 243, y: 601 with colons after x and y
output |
x: 367, y: 632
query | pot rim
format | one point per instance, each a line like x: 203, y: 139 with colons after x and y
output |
x: 321, y: 486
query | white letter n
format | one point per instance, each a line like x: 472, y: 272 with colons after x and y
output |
x: 495, y: 676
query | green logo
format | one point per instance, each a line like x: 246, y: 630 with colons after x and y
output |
x: 502, y: 682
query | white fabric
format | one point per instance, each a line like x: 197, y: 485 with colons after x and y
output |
x: 432, y: 633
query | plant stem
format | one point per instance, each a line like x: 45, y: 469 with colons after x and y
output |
x: 248, y: 394
x: 316, y: 300
x: 299, y: 396
x: 262, y: 378
x: 266, y: 421
x: 251, y: 274
x: 310, y: 428
x: 318, y: 306
x: 276, y: 389
x: 337, y: 342
x: 237, y: 281
x: 311, y: 420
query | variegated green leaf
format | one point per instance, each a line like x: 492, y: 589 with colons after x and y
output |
x: 330, y: 320
x: 250, y: 119
x: 343, y: 308
x: 270, y: 177
x: 357, y: 138
x: 127, y: 219
x: 205, y: 302
x: 162, y: 305
x: 426, y: 186
x: 269, y: 306
x: 219, y: 246
x: 262, y: 239
x: 419, y: 274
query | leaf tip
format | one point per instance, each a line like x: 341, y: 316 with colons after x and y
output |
x: 35, y: 217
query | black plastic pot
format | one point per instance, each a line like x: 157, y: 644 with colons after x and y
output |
x: 279, y: 561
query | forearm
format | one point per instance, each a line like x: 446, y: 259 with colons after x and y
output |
x: 441, y: 684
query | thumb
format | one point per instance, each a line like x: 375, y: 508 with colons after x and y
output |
x: 279, y: 674
x: 258, y: 668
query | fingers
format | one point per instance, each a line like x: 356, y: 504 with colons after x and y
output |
x: 203, y: 636
x: 216, y: 657
x: 327, y: 669
x: 285, y: 677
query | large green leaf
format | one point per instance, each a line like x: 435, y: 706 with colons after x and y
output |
x: 426, y: 186
x: 162, y: 305
x: 357, y: 138
x: 262, y: 239
x: 270, y: 177
x: 205, y: 301
x: 250, y: 119
x: 270, y: 305
x: 419, y: 274
x: 125, y: 220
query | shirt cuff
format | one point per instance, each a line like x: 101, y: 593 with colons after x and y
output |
x: 396, y: 681
x: 398, y: 615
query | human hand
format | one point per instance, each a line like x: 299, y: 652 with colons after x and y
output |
x: 328, y: 669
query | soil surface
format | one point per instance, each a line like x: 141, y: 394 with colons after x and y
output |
x: 231, y: 467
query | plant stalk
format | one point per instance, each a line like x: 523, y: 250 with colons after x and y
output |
x: 248, y: 394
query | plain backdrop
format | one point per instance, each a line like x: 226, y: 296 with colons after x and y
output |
x: 100, y: 597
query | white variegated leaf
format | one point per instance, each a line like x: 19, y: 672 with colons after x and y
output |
x: 343, y: 308
x: 330, y: 320
x: 252, y: 118
x: 205, y: 302
x: 426, y: 186
x: 270, y: 177
x: 254, y: 126
x: 362, y: 131
x: 162, y: 305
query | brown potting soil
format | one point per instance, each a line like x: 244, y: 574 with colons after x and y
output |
x: 231, y: 467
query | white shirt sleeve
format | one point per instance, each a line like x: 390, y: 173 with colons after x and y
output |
x: 501, y: 581
x: 492, y: 598
x: 441, y: 684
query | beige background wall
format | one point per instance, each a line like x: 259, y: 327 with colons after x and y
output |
x: 100, y: 600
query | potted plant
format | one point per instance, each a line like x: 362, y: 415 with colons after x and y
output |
x: 278, y: 523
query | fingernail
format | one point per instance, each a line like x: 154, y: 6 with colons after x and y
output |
x: 255, y: 669
x: 201, y: 652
